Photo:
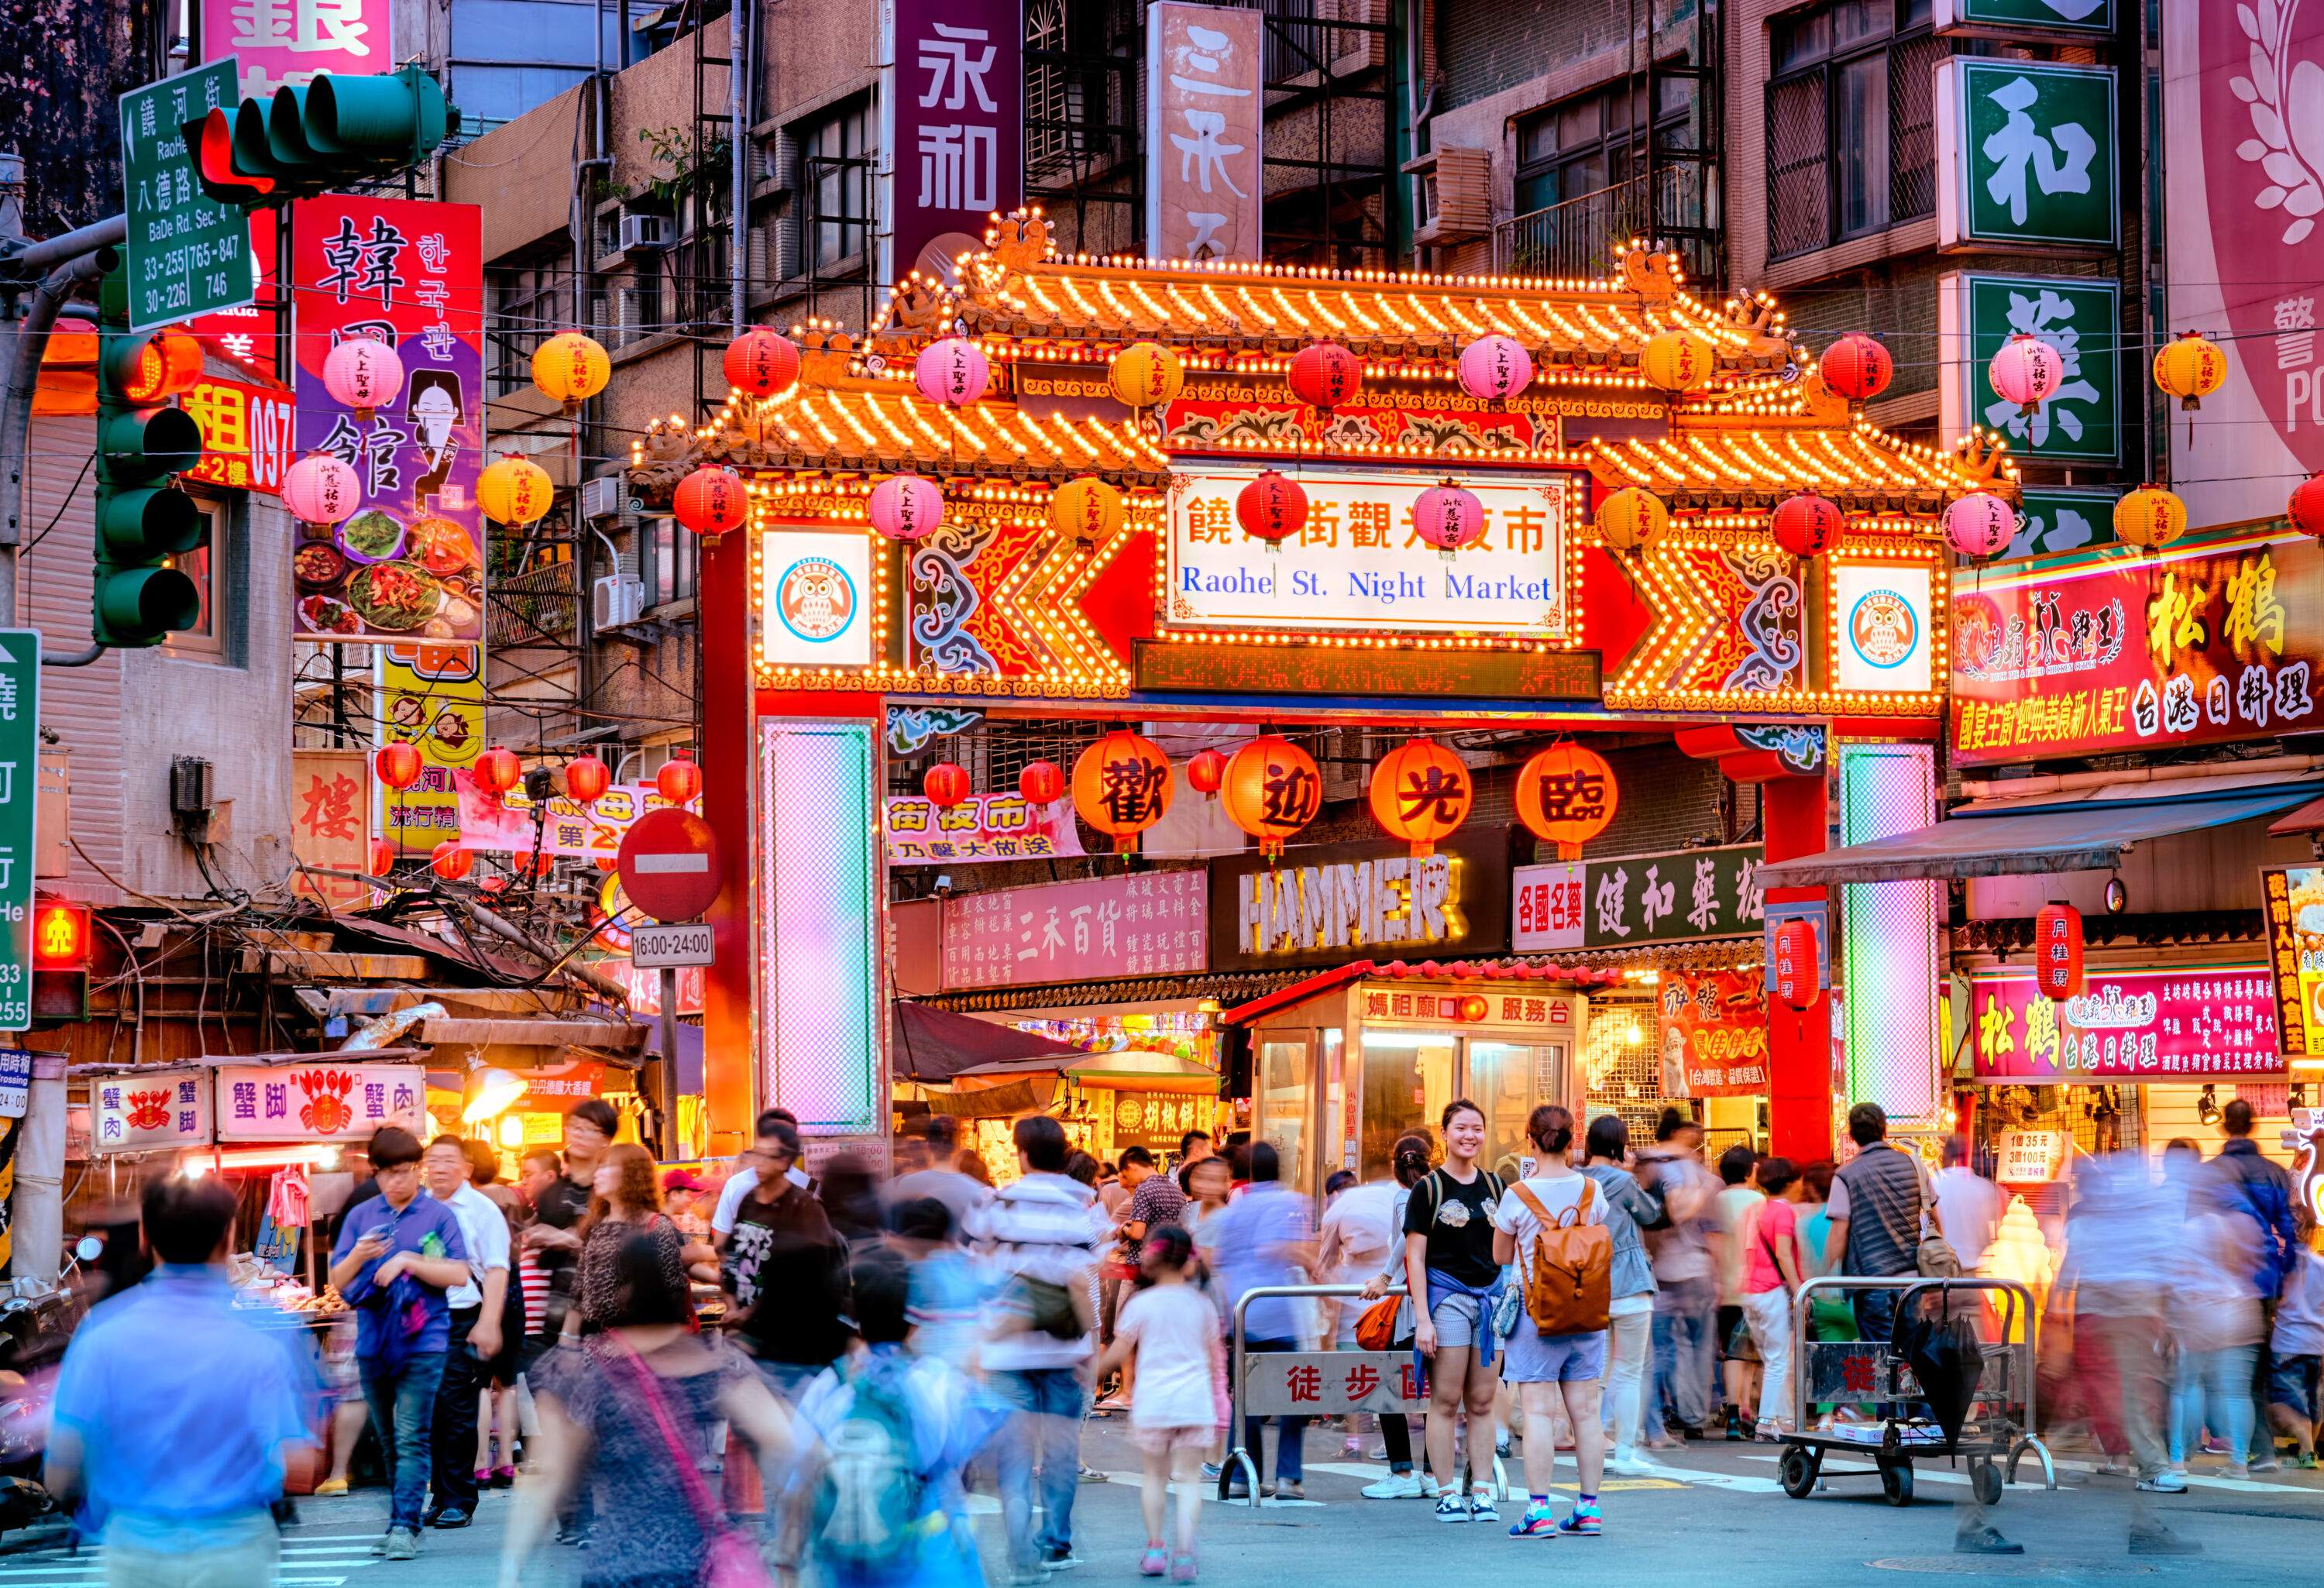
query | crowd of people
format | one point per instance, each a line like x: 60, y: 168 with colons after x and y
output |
x: 818, y: 1366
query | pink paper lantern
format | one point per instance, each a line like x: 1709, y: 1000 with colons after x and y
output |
x: 1979, y: 525
x: 322, y: 490
x: 906, y: 507
x: 363, y: 375
x: 953, y: 371
x: 1448, y: 517
x: 1494, y: 368
x: 2026, y: 371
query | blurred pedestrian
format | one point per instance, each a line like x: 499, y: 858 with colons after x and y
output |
x: 850, y: 1195
x: 1408, y: 1165
x: 1632, y: 1205
x: 174, y: 1414
x: 1152, y: 1199
x: 752, y: 1165
x: 2296, y: 1347
x: 1194, y: 1146
x: 932, y: 1165
x: 947, y: 1297
x: 1967, y: 1206
x: 1686, y: 1285
x: 2216, y: 1308
x: 1172, y: 1332
x: 1352, y: 1245
x: 625, y: 1205
x: 1267, y: 1237
x: 2261, y: 1188
x: 1733, y: 1209
x: 785, y: 1271
x: 475, y: 1310
x: 1773, y: 1269
x: 1448, y: 1244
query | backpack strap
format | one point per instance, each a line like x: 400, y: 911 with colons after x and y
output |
x: 1540, y: 1214
x: 1581, y: 1208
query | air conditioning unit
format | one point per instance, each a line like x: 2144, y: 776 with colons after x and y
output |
x: 615, y: 603
x: 646, y: 231
x: 601, y: 498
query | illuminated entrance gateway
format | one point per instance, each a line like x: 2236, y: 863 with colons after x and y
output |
x: 1567, y: 535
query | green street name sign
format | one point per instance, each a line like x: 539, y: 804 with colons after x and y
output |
x: 20, y: 777
x: 2025, y: 155
x: 1976, y: 314
x: 189, y: 255
x: 2017, y: 18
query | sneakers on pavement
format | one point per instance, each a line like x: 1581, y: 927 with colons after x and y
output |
x: 1060, y: 1559
x: 1452, y: 1508
x: 2164, y: 1483
x: 1584, y: 1523
x: 1481, y: 1507
x: 1282, y: 1489
x: 1636, y: 1466
x: 1155, y: 1561
x: 1182, y: 1568
x: 403, y: 1544
x: 1398, y: 1486
x: 1539, y: 1521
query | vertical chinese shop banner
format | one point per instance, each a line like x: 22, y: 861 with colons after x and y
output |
x: 434, y: 696
x: 409, y: 563
x: 1714, y: 1035
x: 330, y: 824
x: 2243, y: 160
x: 279, y: 43
x: 957, y: 119
x: 1203, y: 132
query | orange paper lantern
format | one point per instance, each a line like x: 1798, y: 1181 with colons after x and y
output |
x: 1420, y: 792
x: 382, y: 857
x: 1121, y: 787
x: 399, y: 764
x: 451, y: 861
x: 1566, y: 795
x: 499, y: 770
x: 679, y: 779
x: 1273, y: 788
x: 2058, y: 951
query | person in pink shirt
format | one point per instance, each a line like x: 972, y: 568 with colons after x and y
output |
x: 1773, y: 1265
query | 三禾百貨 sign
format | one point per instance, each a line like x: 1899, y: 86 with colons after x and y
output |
x: 1358, y: 565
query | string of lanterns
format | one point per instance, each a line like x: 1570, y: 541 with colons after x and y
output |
x: 2027, y: 371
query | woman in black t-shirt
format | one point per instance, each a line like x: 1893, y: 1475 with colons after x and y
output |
x: 1448, y: 1259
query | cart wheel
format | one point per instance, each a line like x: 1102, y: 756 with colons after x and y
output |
x: 1985, y: 1482
x: 1897, y: 1482
x: 1798, y: 1470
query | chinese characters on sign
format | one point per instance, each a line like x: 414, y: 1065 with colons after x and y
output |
x: 285, y: 42
x: 1151, y: 924
x: 958, y: 98
x: 1360, y: 564
x: 188, y: 253
x: 2126, y: 655
x: 247, y: 433
x: 1203, y: 132
x: 1000, y: 825
x: 20, y: 770
x: 1637, y: 899
x: 2127, y: 1025
x: 409, y: 563
x: 1507, y: 1009
x: 1158, y: 1120
x: 150, y: 1108
x: 434, y: 696
x: 324, y: 1102
x: 1714, y: 1034
x: 501, y: 824
x: 330, y: 824
x: 1322, y: 1383
x: 2025, y: 154
x: 2293, y: 900
x: 2081, y: 423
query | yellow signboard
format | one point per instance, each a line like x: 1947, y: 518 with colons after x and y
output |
x: 434, y: 696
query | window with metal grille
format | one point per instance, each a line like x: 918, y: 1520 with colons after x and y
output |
x: 528, y: 303
x: 1851, y: 124
x: 837, y: 149
x: 669, y: 557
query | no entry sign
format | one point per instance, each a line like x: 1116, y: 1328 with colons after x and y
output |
x: 669, y: 864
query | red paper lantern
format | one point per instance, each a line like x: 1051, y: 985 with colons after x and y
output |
x: 1273, y: 788
x: 1796, y: 963
x: 1806, y: 524
x: 679, y: 779
x: 398, y: 764
x: 1420, y: 792
x: 1206, y: 771
x: 762, y: 362
x: 1566, y: 795
x: 946, y: 785
x: 1856, y: 368
x: 585, y: 779
x: 1042, y: 782
x: 712, y: 501
x: 2306, y: 507
x: 382, y: 857
x: 1121, y: 787
x: 2058, y: 951
x: 451, y: 861
x: 1325, y: 375
x: 1271, y: 509
x: 499, y: 770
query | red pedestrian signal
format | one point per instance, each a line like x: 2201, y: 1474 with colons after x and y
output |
x: 60, y: 936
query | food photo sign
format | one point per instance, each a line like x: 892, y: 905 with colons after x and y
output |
x: 407, y: 564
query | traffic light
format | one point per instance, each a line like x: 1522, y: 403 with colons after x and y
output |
x: 329, y: 134
x: 143, y: 518
x: 60, y: 952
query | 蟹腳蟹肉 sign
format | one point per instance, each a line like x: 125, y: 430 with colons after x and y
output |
x: 2079, y: 316
x: 1359, y: 564
x: 2126, y: 1025
x: 1329, y: 903
x: 150, y: 1110
x: 818, y: 598
x: 1663, y: 898
x: 328, y: 1101
x: 2200, y: 645
x: 2026, y: 155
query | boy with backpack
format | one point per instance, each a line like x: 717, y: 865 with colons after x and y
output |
x: 1553, y: 1225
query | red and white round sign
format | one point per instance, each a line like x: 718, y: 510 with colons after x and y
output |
x: 669, y: 864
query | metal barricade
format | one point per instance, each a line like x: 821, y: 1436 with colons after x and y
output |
x: 1314, y: 1383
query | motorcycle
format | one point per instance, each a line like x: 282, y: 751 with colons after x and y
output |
x: 34, y: 1330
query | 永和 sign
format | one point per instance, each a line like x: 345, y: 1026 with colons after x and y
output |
x: 1000, y: 826
x: 1360, y: 563
x: 2082, y: 421
x: 326, y: 1100
x: 150, y: 1110
x: 1204, y: 129
x: 187, y: 253
x: 2127, y: 1025
x: 246, y: 434
x: 2026, y: 155
x: 279, y: 43
x: 1637, y: 899
x: 957, y: 106
x: 1714, y: 1034
x: 1151, y: 924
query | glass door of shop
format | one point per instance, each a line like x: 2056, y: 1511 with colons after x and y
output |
x: 1508, y: 1080
x: 1408, y: 1076
x: 1286, y: 1096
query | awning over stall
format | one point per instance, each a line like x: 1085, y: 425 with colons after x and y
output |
x: 2001, y: 837
x: 936, y: 1044
x: 1142, y: 1068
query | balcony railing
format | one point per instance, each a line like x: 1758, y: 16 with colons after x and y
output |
x: 1581, y: 236
x: 540, y: 606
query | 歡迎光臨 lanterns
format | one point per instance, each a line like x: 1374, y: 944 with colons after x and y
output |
x: 499, y: 770
x: 322, y: 489
x: 514, y: 491
x: 399, y: 763
x: 2305, y: 507
x: 1325, y: 375
x: 1448, y: 517
x: 1796, y: 980
x: 762, y: 362
x: 953, y: 370
x: 1042, y: 782
x: 1855, y: 367
x: 2190, y: 367
x: 586, y: 778
x: 2149, y: 518
x: 1087, y: 510
x: 1146, y: 374
x: 905, y: 507
x: 1420, y: 792
x: 1807, y: 524
x: 2058, y: 951
x: 2027, y: 371
x: 1272, y: 509
x: 1272, y: 789
x: 363, y: 374
x: 1206, y: 770
x: 1979, y: 525
x: 1632, y: 519
x: 451, y: 861
x: 1678, y: 360
x: 712, y: 501
x: 1494, y: 368
x: 1121, y: 787
x: 945, y: 785
x: 679, y: 779
x: 570, y: 368
x: 1566, y: 796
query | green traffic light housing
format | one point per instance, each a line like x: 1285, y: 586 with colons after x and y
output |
x: 329, y: 134
x: 143, y: 520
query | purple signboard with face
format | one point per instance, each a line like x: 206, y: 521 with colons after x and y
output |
x: 958, y: 113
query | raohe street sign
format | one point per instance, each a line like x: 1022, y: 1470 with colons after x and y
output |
x: 669, y: 864
x: 189, y: 255
x: 20, y: 761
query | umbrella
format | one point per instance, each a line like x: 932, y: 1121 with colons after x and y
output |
x: 1943, y: 1350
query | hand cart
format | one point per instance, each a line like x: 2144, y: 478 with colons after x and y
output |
x: 2000, y: 1427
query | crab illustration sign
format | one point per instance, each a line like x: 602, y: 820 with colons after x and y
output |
x: 2082, y: 422
x: 2025, y: 154
x: 326, y: 1100
x: 150, y: 1111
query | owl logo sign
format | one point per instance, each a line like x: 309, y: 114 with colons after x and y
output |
x: 1883, y: 643
x: 1884, y: 628
x: 816, y: 603
x: 815, y: 599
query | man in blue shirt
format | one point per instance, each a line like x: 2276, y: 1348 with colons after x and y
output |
x: 172, y: 1410
x: 1266, y: 1236
x: 397, y: 1255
